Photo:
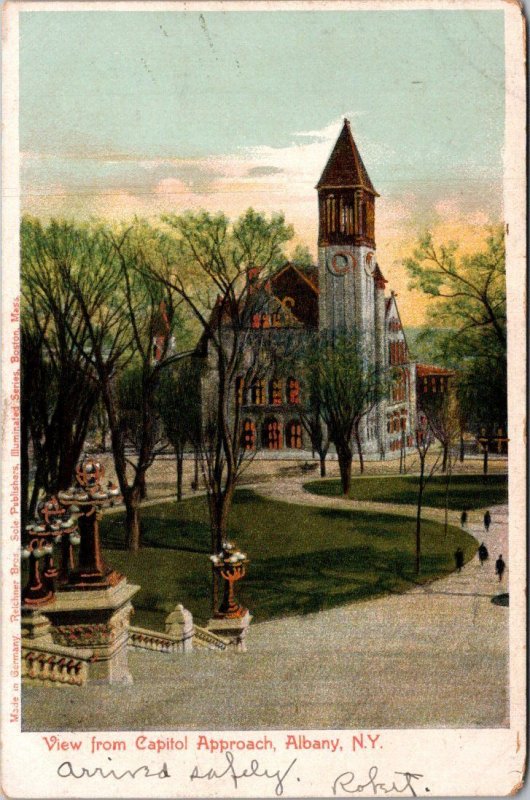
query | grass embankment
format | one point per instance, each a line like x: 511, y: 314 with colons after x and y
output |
x: 303, y: 559
x: 465, y: 491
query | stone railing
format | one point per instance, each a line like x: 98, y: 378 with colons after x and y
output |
x: 52, y: 664
x: 206, y: 639
x: 145, y: 639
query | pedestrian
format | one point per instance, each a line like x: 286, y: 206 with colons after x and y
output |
x: 500, y: 566
x: 459, y: 559
x: 487, y: 521
x: 463, y: 518
x: 483, y: 553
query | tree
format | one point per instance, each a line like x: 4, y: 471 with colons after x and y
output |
x: 442, y: 413
x: 220, y: 271
x: 347, y: 388
x: 59, y: 384
x: 312, y: 419
x: 301, y: 256
x: 424, y: 438
x: 469, y: 318
x: 130, y: 320
x: 179, y: 406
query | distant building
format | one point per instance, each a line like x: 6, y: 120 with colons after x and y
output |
x: 345, y: 292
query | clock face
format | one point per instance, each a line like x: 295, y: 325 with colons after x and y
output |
x: 341, y: 263
x: 369, y: 264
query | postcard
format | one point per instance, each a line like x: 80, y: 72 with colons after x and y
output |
x: 263, y: 470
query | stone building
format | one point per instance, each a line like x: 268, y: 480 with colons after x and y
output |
x: 345, y: 292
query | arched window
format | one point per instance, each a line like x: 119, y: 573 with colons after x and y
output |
x: 257, y: 392
x: 349, y: 220
x: 275, y: 392
x: 271, y: 434
x: 293, y: 434
x: 330, y: 213
x: 293, y: 391
x: 248, y: 434
x: 240, y: 392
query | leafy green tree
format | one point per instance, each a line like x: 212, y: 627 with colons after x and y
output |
x: 347, y: 389
x: 179, y: 406
x: 301, y: 256
x: 59, y: 384
x: 131, y: 322
x: 467, y: 321
x: 217, y: 269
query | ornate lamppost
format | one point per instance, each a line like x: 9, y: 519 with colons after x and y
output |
x: 87, y: 500
x: 231, y: 619
x: 230, y: 564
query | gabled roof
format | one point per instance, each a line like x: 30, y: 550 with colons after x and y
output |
x: 345, y: 168
x: 309, y: 274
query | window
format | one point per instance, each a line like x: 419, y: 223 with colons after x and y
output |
x: 293, y: 391
x: 257, y: 391
x: 248, y: 434
x: 293, y: 434
x: 240, y: 392
x: 271, y: 434
x: 349, y: 220
x: 275, y: 392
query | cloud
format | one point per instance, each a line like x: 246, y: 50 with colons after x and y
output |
x: 260, y: 171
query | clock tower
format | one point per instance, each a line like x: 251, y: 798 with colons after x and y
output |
x: 346, y: 244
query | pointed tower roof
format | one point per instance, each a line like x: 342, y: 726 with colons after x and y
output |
x: 345, y: 168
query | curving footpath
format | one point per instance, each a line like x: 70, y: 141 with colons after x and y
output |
x: 436, y: 656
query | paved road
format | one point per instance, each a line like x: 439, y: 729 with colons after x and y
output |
x: 436, y: 656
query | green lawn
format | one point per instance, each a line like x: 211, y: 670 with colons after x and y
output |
x: 465, y: 491
x: 303, y: 559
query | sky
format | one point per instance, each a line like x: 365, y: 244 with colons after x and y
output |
x: 125, y: 113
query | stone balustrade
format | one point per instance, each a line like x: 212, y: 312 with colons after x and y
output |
x: 206, y: 639
x: 47, y: 664
x: 146, y: 639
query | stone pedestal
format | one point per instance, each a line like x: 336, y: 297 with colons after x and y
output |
x: 180, y: 625
x: 232, y: 628
x: 35, y: 627
x: 99, y: 620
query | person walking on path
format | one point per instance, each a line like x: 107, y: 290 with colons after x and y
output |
x: 500, y: 566
x: 463, y: 518
x: 459, y: 559
x: 487, y: 521
x: 483, y: 554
